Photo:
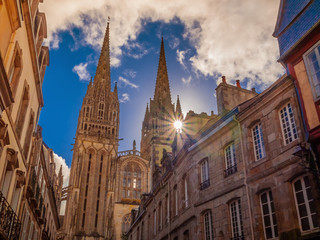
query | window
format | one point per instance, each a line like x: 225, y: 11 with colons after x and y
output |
x: 305, y: 204
x: 186, y: 199
x: 268, y: 215
x: 100, y: 111
x: 207, y: 225
x: 312, y: 60
x: 230, y: 156
x: 22, y: 112
x: 126, y: 221
x: 175, y: 195
x: 160, y: 215
x: 131, y: 181
x: 15, y: 69
x: 288, y: 124
x: 204, y: 174
x: 258, y: 143
x: 236, y: 220
x: 154, y: 222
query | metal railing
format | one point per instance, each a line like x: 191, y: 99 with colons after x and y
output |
x: 205, y: 184
x: 10, y: 225
x: 231, y: 170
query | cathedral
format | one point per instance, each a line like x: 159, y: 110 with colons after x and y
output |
x: 105, y: 184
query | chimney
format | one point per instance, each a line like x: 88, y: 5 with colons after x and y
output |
x: 224, y: 79
x: 238, y: 83
x: 253, y: 89
x: 211, y: 113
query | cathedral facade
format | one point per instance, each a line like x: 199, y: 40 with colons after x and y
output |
x: 105, y: 185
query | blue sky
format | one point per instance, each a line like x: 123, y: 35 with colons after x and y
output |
x: 203, y: 41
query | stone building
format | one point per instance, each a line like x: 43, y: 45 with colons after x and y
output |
x: 42, y: 194
x: 240, y: 179
x: 105, y: 185
x: 298, y: 34
x: 23, y: 61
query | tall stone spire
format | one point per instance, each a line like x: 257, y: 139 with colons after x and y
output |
x: 162, y: 94
x: 103, y: 68
x: 178, y: 109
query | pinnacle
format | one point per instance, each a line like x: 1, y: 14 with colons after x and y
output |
x: 103, y: 68
x: 162, y: 90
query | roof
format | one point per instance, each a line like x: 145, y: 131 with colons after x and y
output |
x: 296, y: 18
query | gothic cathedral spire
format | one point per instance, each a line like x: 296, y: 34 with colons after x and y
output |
x: 162, y: 95
x: 103, y: 68
x: 95, y: 150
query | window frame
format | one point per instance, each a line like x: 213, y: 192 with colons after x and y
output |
x: 210, y: 227
x: 270, y: 205
x: 306, y: 203
x: 239, y: 222
x: 290, y: 123
x: 232, y: 167
x: 204, y: 174
x: 308, y: 67
x: 258, y: 142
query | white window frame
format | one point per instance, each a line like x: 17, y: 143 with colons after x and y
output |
x: 310, y: 71
x: 258, y: 143
x: 176, y: 200
x: 269, y: 205
x: 204, y: 170
x: 208, y: 225
x: 186, y: 199
x: 306, y: 202
x: 236, y: 219
x: 288, y: 126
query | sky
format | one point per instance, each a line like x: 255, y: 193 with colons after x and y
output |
x: 203, y: 39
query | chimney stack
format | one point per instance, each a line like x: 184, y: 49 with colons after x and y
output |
x: 224, y: 79
x: 253, y: 89
x: 238, y: 83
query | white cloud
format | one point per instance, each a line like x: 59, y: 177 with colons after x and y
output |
x: 127, y: 82
x: 130, y: 73
x: 230, y: 37
x: 181, y: 57
x: 81, y: 70
x: 125, y: 98
x: 186, y: 81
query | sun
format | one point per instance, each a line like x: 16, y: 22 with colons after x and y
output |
x: 178, y: 125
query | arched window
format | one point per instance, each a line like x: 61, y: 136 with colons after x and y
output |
x: 131, y: 181
x: 126, y: 221
x: 100, y: 111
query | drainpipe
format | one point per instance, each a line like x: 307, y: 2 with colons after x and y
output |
x: 245, y: 177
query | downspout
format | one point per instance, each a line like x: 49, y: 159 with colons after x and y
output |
x: 245, y: 177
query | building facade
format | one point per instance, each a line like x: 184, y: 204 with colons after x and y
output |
x: 105, y: 185
x: 298, y: 33
x: 23, y: 61
x: 240, y: 179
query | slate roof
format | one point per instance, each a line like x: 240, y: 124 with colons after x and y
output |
x: 295, y: 19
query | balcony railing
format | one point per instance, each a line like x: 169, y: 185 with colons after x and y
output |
x: 205, y: 184
x: 231, y: 170
x: 10, y: 225
x: 238, y: 238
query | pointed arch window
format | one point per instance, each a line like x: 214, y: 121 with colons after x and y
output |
x: 131, y: 181
x: 100, y: 110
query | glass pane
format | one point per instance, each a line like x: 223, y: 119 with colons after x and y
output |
x: 305, y: 224
x: 302, y: 210
x: 300, y: 198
